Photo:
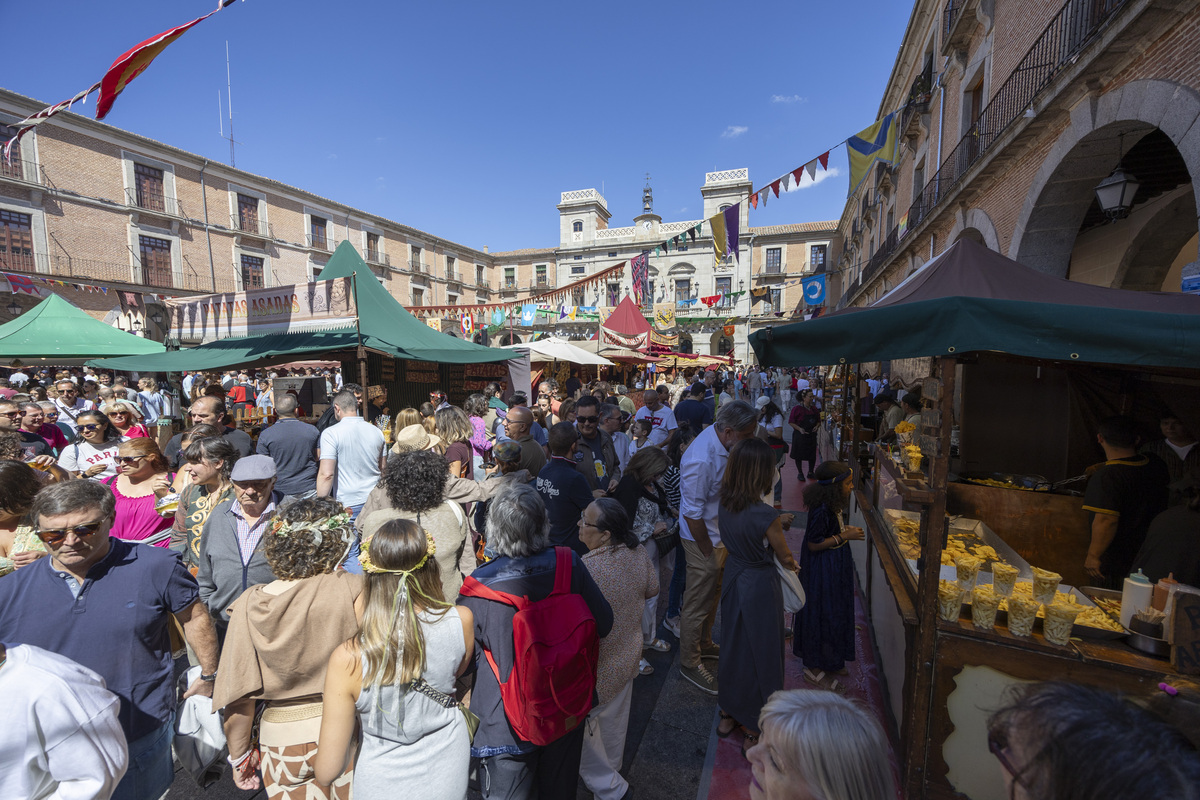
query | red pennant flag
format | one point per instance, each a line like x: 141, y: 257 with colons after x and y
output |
x: 796, y: 173
x: 824, y: 159
x: 775, y: 188
x: 134, y: 61
x: 754, y: 200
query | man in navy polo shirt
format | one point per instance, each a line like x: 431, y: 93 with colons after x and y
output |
x: 564, y: 491
x: 105, y: 604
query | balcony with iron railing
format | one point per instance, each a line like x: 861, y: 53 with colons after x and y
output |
x: 415, y: 265
x: 319, y: 241
x: 917, y: 103
x: 483, y: 283
x: 508, y: 285
x: 377, y: 257
x: 1055, y: 51
x: 153, y: 201
x: 92, y: 271
x: 453, y: 276
x: 15, y: 169
x: 251, y: 225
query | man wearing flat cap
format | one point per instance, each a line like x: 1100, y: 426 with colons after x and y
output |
x: 231, y: 559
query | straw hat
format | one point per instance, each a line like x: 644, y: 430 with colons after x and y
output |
x: 413, y: 438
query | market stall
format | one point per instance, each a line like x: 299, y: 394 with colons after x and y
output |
x: 552, y: 348
x: 347, y: 316
x: 1021, y: 365
x: 56, y: 333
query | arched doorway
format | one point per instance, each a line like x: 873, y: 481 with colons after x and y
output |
x: 685, y: 344
x: 1063, y: 232
x: 509, y: 338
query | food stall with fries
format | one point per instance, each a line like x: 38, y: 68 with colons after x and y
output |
x: 971, y: 571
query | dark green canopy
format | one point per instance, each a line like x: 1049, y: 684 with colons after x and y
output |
x: 970, y: 299
x: 385, y: 325
x: 56, y: 332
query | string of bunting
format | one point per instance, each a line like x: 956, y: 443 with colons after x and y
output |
x: 543, y: 298
x: 119, y: 75
x: 32, y: 285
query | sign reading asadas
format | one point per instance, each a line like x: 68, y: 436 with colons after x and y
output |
x: 318, y: 306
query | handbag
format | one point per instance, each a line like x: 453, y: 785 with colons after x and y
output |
x: 446, y: 701
x: 793, y: 592
x: 668, y: 539
x: 199, y: 737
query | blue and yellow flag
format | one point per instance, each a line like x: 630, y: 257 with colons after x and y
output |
x: 876, y: 143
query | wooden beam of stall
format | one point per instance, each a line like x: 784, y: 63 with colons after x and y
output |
x: 933, y: 527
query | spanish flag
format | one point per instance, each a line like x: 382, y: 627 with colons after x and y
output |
x: 876, y: 143
x: 134, y: 61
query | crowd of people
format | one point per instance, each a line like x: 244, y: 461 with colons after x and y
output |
x: 476, y: 595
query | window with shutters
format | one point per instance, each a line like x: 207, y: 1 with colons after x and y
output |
x: 253, y: 275
x: 148, y: 182
x: 11, y: 167
x: 373, y: 247
x: 318, y: 228
x: 156, y: 261
x: 539, y: 272
x: 683, y: 289
x: 16, y: 241
x: 247, y: 213
x: 418, y: 297
x: 614, y: 294
x: 817, y: 257
x: 510, y: 277
x: 724, y: 287
x: 774, y: 259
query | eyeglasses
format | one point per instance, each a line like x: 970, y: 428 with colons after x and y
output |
x: 998, y: 746
x: 89, y: 427
x: 587, y: 419
x: 12, y: 414
x: 118, y: 413
x: 55, y: 536
x: 129, y: 459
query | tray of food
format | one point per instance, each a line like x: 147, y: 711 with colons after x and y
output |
x: 965, y: 536
x: 1007, y: 480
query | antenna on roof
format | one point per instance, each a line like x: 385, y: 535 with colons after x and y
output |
x: 229, y: 96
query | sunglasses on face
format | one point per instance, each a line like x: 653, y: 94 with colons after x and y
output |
x: 89, y: 427
x: 129, y: 459
x: 587, y: 419
x: 118, y: 413
x: 55, y: 536
x: 12, y: 414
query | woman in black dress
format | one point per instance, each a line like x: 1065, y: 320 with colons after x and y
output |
x: 751, y: 667
x: 803, y: 421
x: 824, y: 628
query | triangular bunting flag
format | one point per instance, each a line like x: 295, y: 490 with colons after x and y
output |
x: 775, y: 188
x: 786, y: 182
x: 796, y: 175
x: 824, y: 159
x: 754, y: 200
x: 694, y: 231
x: 811, y: 169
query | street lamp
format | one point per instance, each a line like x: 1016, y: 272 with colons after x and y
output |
x: 14, y: 308
x: 157, y: 318
x: 1115, y: 194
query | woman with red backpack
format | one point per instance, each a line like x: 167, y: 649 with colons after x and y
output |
x: 538, y: 620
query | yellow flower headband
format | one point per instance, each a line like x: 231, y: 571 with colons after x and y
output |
x: 364, y: 558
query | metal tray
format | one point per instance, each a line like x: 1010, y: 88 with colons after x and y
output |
x: 975, y: 528
x: 1034, y: 482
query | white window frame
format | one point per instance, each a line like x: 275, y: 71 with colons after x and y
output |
x: 128, y: 159
x: 37, y: 225
x: 139, y: 228
x: 234, y: 191
x: 265, y: 255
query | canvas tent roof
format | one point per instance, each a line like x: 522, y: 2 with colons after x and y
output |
x: 385, y: 325
x: 627, y: 319
x: 553, y: 348
x: 971, y: 299
x: 57, y: 332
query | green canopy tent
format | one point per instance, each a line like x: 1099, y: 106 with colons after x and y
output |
x: 385, y: 326
x: 56, y: 332
x: 971, y: 299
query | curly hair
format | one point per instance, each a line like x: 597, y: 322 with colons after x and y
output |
x: 297, y: 555
x: 416, y: 482
x: 18, y: 484
x: 830, y: 494
x: 476, y: 405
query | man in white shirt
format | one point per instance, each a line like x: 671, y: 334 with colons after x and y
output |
x: 70, y: 404
x: 662, y: 419
x: 353, y: 455
x: 18, y: 378
x: 62, y: 738
x: 700, y: 474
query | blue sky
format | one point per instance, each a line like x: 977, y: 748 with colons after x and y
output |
x: 467, y: 119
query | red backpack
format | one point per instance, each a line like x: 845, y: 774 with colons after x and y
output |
x: 555, y: 649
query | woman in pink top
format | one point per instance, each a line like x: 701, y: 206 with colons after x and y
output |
x: 142, y: 478
x: 126, y: 419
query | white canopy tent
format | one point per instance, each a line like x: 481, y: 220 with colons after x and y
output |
x: 553, y: 348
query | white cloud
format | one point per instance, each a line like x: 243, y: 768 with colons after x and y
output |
x: 682, y: 210
x: 332, y: 157
x: 734, y: 131
x: 806, y: 182
x: 786, y: 98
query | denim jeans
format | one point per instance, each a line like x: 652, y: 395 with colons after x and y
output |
x: 675, y: 589
x: 351, y: 563
x: 151, y: 770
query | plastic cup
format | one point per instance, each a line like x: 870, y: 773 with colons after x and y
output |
x: 950, y: 597
x: 967, y: 566
x: 1004, y: 578
x: 1022, y: 612
x: 1060, y: 618
x: 1045, y: 585
x: 984, y: 604
x: 167, y: 505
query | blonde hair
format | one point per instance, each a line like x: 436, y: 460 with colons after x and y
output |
x: 453, y: 425
x: 123, y: 405
x: 390, y: 637
x: 829, y: 743
x: 406, y: 417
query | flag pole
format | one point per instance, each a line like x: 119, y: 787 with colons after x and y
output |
x: 361, y: 352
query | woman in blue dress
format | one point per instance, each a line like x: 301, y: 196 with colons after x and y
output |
x: 824, y: 628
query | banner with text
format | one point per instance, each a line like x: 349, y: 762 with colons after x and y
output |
x: 319, y: 306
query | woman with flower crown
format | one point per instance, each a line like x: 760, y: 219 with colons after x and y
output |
x: 396, y: 678
x: 278, y: 645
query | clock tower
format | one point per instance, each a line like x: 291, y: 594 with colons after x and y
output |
x: 646, y: 224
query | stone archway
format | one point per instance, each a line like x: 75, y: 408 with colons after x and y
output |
x: 1149, y: 256
x: 509, y: 338
x: 1085, y: 153
x: 977, y: 226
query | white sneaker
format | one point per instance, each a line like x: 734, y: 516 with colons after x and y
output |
x: 672, y: 624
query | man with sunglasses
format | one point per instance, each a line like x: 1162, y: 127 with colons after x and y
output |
x: 105, y: 604
x: 595, y: 454
x: 70, y: 404
x: 32, y: 445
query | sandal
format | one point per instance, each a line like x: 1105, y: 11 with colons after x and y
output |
x: 657, y: 645
x: 814, y: 678
x: 748, y: 740
x: 722, y: 731
x: 645, y: 668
